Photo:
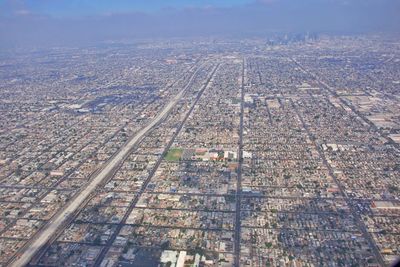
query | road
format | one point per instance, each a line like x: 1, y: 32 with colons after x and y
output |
x: 331, y: 90
x: 358, y: 220
x: 50, y: 229
x: 132, y: 205
x: 239, y: 174
x: 348, y: 199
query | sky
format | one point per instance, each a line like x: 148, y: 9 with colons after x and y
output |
x: 74, y: 8
x: 80, y: 22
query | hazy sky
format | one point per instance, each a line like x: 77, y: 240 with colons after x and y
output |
x: 98, y: 7
x: 58, y: 22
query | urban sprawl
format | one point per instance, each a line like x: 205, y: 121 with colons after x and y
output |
x: 202, y: 153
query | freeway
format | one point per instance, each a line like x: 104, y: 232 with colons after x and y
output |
x: 44, y: 235
x: 132, y: 205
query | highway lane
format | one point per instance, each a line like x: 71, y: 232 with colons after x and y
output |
x: 50, y: 229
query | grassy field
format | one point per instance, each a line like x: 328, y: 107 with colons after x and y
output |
x: 174, y: 154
